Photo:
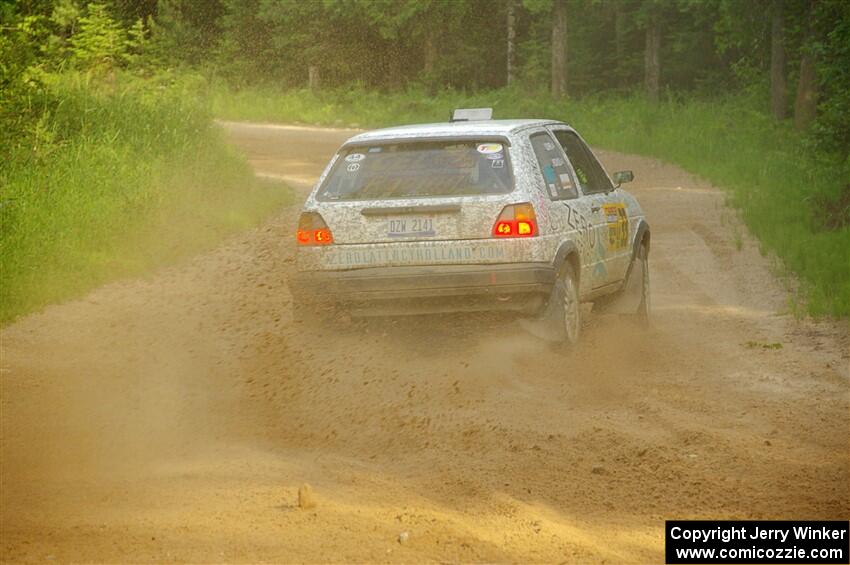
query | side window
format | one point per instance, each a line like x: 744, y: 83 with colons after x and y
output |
x: 590, y: 175
x: 559, y: 183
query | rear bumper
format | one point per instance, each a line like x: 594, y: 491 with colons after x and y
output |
x: 422, y: 289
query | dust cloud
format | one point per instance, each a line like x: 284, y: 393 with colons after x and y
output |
x: 175, y: 417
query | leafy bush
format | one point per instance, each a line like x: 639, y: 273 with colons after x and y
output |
x: 100, y: 40
x: 125, y: 175
x: 106, y: 173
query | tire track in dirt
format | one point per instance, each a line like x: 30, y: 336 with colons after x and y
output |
x: 174, y: 417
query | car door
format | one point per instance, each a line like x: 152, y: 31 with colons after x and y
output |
x: 569, y: 211
x: 609, y: 212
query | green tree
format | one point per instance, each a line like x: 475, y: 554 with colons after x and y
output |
x: 100, y: 41
x: 778, y: 91
x: 186, y: 31
x: 805, y: 104
x: 832, y: 126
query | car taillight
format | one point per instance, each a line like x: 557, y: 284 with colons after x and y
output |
x: 516, y: 220
x: 312, y: 230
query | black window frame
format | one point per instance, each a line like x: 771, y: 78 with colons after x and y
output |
x: 347, y: 148
x: 601, y: 175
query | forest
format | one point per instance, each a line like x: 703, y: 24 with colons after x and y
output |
x: 106, y: 111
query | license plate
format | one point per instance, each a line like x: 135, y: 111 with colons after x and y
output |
x: 411, y: 226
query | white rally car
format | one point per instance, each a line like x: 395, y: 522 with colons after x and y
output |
x: 473, y: 214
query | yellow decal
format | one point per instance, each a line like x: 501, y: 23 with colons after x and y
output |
x: 618, y: 225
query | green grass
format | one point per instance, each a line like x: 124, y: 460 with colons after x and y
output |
x: 120, y: 176
x: 784, y: 189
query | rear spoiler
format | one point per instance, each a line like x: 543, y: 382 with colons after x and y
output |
x: 441, y: 138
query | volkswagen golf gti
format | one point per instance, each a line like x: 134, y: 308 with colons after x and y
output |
x: 469, y: 215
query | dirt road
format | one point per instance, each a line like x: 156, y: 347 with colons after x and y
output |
x: 173, y: 418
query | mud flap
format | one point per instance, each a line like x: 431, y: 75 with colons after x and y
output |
x: 548, y: 326
x: 628, y: 299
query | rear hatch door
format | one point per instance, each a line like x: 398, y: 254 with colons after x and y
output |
x: 428, y: 190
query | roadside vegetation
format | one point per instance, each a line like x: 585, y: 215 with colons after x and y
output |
x: 789, y: 195
x: 106, y: 172
x: 754, y: 96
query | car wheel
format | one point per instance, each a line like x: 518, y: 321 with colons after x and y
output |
x: 563, y: 312
x: 642, y: 262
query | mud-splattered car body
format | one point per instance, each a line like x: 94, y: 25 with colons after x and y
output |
x: 455, y: 258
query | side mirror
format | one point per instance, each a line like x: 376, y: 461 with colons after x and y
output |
x: 621, y: 177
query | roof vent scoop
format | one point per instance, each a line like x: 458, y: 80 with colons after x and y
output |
x: 471, y: 114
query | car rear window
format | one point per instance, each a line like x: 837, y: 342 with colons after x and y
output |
x: 418, y: 170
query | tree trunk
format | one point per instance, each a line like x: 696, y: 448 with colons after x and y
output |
x: 396, y: 71
x: 652, y: 58
x: 620, y: 21
x: 511, y: 41
x: 313, y: 77
x: 430, y: 51
x: 805, y: 105
x: 559, y: 48
x: 778, y: 91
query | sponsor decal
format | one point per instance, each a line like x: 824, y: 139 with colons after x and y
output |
x: 353, y: 167
x: 497, y: 164
x: 410, y: 255
x: 617, y: 218
x: 600, y: 272
x: 355, y: 157
x: 488, y: 148
x: 582, y: 225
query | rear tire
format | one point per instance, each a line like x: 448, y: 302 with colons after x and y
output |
x: 641, y: 262
x: 564, y: 308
